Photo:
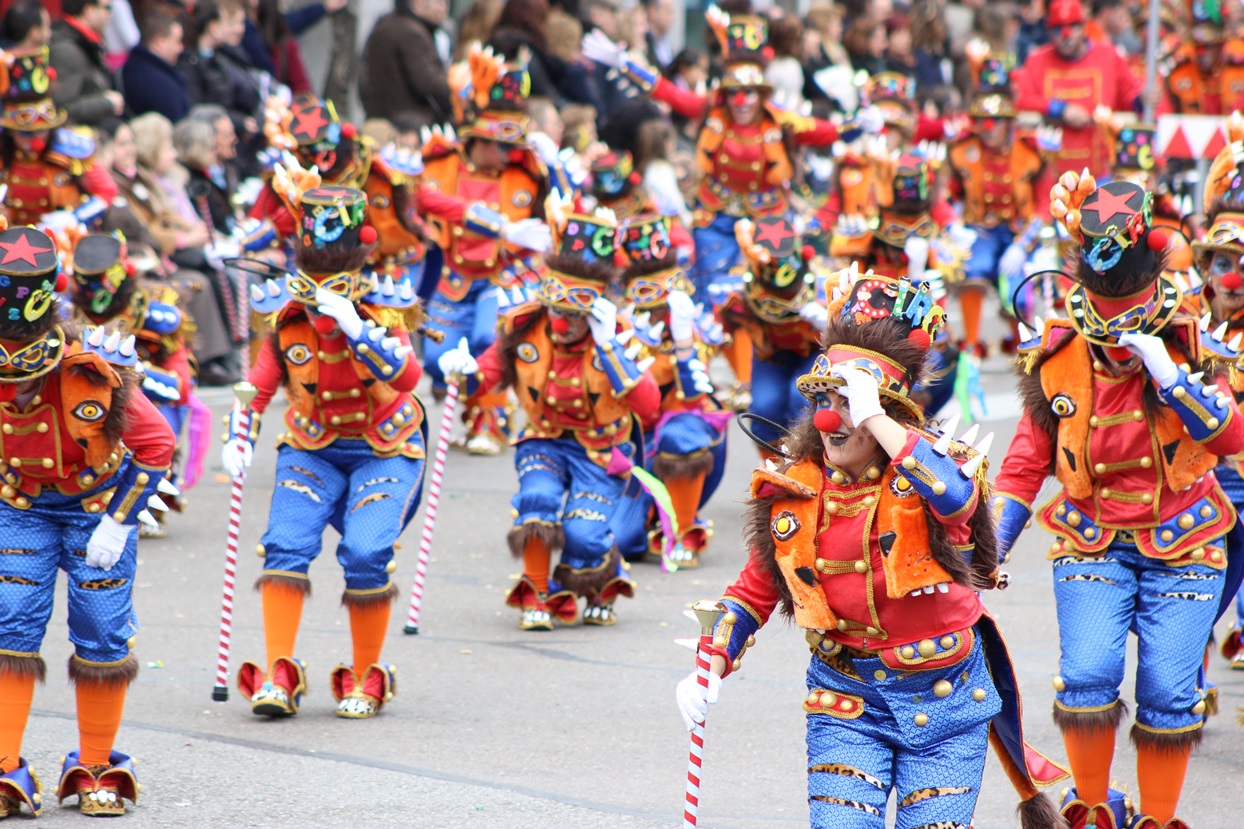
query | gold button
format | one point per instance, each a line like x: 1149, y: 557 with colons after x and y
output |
x: 719, y: 641
x: 1146, y: 498
x: 939, y: 488
x: 1138, y: 415
x: 812, y: 700
x: 328, y: 395
x: 1090, y: 533
x: 131, y: 642
x: 1146, y: 462
x: 1061, y: 511
x: 861, y: 567
x: 837, y: 478
x: 15, y: 462
x: 1099, y: 468
x: 391, y: 566
x: 947, y: 642
x: 260, y: 551
x: 1059, y: 685
x: 356, y: 393
x: 1199, y: 708
x: 822, y: 565
x: 1093, y: 421
x: 921, y: 720
x: 1185, y: 521
x: 908, y: 652
x: 869, y: 500
x: 48, y: 463
x: 832, y: 507
x: 879, y: 675
x: 942, y: 688
x: 926, y: 647
x: 873, y: 473
x: 1212, y: 423
x: 335, y: 420
x: 1166, y: 535
x: 842, y: 624
x: 909, y: 462
x: 872, y: 631
x: 7, y: 428
x: 1207, y: 511
x: 979, y: 695
x: 1198, y: 554
x: 1074, y: 519
x: 93, y: 507
x: 1106, y: 492
x: 828, y: 699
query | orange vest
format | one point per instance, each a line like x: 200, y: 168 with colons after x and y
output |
x: 997, y: 186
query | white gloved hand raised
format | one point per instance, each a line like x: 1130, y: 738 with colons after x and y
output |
x: 530, y: 234
x: 693, y: 698
x: 457, y: 361
x: 544, y: 146
x: 603, y: 321
x: 1011, y: 265
x: 236, y: 456
x: 107, y: 543
x: 598, y: 47
x: 816, y: 314
x: 681, y: 318
x: 1152, y: 351
x: 341, y: 310
x: 861, y: 391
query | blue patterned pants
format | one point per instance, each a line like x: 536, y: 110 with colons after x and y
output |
x: 716, y: 252
x: 1171, y: 610
x: 369, y: 500
x: 52, y: 536
x: 473, y: 317
x: 871, y: 741
x: 1233, y: 486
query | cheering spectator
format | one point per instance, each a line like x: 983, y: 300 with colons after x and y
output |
x: 77, y: 54
x: 27, y: 25
x: 401, y: 70
x: 150, y: 79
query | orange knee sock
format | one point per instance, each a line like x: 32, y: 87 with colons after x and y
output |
x: 1090, y: 753
x: 282, y: 612
x: 739, y: 355
x: 368, y: 625
x: 685, y: 494
x: 1160, y: 772
x: 970, y: 302
x: 100, y: 706
x: 16, y: 692
x: 536, y: 561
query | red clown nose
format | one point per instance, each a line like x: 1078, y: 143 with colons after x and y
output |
x: 62, y: 283
x: 826, y: 420
x: 1232, y: 281
x: 325, y: 325
x: 738, y: 97
x: 560, y: 325
x: 1119, y: 354
x: 38, y: 144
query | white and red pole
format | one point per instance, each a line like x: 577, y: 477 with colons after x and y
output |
x: 245, y: 393
x: 434, y: 500
x: 706, y: 613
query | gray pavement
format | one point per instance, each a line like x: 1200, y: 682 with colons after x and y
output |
x: 496, y: 728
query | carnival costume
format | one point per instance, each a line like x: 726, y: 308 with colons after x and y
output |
x: 780, y: 305
x: 685, y: 442
x: 1205, y: 70
x: 54, y: 170
x: 585, y: 397
x: 84, y: 455
x: 1127, y: 405
x: 909, y: 676
x: 485, y: 222
x: 617, y: 185
x: 352, y: 454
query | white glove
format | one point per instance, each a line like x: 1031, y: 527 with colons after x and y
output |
x: 107, y: 543
x: 544, y: 147
x: 603, y: 321
x: 1011, y: 265
x: 863, y: 397
x: 694, y: 699
x: 236, y: 456
x: 458, y: 361
x: 1153, y: 353
x: 870, y: 119
x: 342, y: 310
x: 530, y: 234
x: 1049, y: 139
x: 682, y: 316
x: 598, y: 47
x: 821, y: 166
x: 816, y: 314
x: 917, y: 251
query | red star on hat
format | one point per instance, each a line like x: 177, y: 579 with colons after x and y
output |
x: 308, y: 122
x: 1109, y: 205
x: 774, y: 234
x: 23, y: 250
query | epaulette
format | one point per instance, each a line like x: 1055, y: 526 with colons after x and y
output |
x: 519, y: 314
x: 389, y: 293
x: 398, y: 166
x: 1049, y: 335
x: 72, y: 145
x: 767, y: 483
x: 162, y: 318
x: 272, y: 297
x: 113, y: 348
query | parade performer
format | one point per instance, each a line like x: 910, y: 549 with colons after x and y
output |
x: 484, y: 190
x: 108, y: 291
x: 909, y: 676
x: 684, y: 442
x: 45, y: 166
x: 1129, y: 408
x: 84, y: 454
x: 1205, y: 70
x: 576, y: 377
x: 743, y: 150
x: 352, y: 453
x: 618, y: 186
x: 780, y: 304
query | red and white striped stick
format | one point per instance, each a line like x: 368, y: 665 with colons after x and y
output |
x: 706, y: 612
x: 434, y: 500
x: 245, y: 393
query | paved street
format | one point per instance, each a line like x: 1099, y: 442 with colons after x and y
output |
x: 496, y: 728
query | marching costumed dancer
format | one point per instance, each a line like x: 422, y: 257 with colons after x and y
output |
x: 352, y: 453
x: 1128, y: 406
x: 84, y: 455
x: 685, y: 442
x: 576, y: 376
x: 781, y: 307
x: 1205, y: 70
x: 484, y: 190
x: 742, y: 152
x: 617, y: 185
x: 909, y: 676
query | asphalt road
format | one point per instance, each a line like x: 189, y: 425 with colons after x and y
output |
x: 493, y: 727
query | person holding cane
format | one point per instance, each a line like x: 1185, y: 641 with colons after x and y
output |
x: 909, y: 677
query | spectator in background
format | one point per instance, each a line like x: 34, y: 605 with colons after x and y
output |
x: 654, y: 160
x: 523, y: 25
x: 578, y: 127
x: 213, y: 74
x: 688, y: 70
x: 785, y: 72
x: 866, y: 43
x: 827, y: 71
x: 150, y: 79
x: 401, y: 70
x: 83, y: 87
x: 661, y: 16
x: 255, y: 43
x: 282, y: 47
x: 27, y: 25
x: 379, y: 130
x: 476, y: 25
x: 1113, y: 19
x: 120, y: 35
x: 902, y: 55
x: 1032, y: 30
x: 545, y: 119
x: 213, y: 173
x: 600, y: 14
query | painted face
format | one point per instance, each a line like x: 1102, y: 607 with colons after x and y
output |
x: 744, y: 105
x: 847, y: 447
x: 993, y: 132
x: 1226, y: 275
x: 566, y: 327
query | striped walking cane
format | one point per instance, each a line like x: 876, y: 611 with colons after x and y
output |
x: 245, y: 393
x: 706, y: 612
x: 434, y: 500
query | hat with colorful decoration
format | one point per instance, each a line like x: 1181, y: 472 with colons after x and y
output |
x: 333, y: 243
x: 257, y: 235
x: 883, y: 326
x: 317, y: 131
x: 992, y: 96
x: 30, y: 343
x: 490, y: 97
x: 652, y: 270
x: 99, y: 269
x: 613, y: 175
x: 581, y: 266
x: 1223, y: 202
x: 894, y: 95
x: 744, y: 42
x: 773, y: 254
x: 25, y: 88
